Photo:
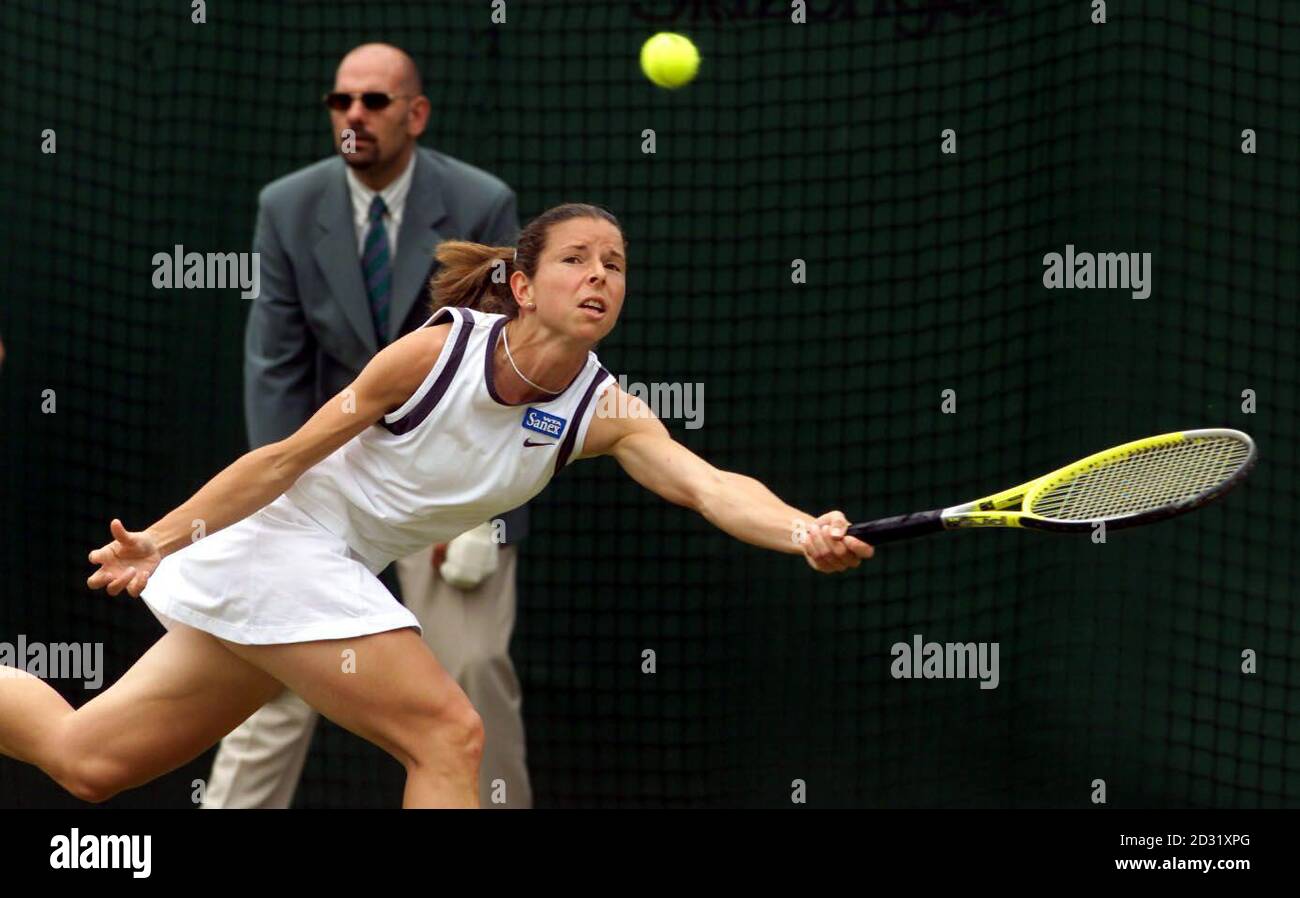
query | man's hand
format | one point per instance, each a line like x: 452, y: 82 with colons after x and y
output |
x: 470, y: 558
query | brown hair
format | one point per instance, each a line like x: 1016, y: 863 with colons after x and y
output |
x: 465, y: 268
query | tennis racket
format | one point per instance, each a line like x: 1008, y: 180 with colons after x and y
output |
x: 1137, y: 483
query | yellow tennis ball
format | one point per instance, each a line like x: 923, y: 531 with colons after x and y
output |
x: 670, y: 60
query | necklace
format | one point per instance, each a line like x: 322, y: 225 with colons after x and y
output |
x: 506, y: 340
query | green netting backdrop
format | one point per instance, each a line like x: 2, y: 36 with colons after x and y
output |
x: 817, y: 142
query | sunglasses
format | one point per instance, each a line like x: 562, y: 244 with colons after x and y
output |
x: 372, y: 100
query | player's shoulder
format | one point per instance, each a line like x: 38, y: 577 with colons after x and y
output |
x: 426, y: 342
x: 616, y: 403
x: 602, y: 383
x: 398, y: 370
x: 430, y: 338
x: 472, y: 319
x: 617, y: 413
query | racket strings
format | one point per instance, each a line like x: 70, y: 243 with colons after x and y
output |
x: 1144, y: 480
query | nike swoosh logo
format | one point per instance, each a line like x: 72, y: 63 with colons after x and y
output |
x: 531, y: 443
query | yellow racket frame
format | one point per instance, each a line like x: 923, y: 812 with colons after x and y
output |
x: 993, y: 511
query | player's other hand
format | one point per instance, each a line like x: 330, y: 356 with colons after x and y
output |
x: 828, y: 548
x: 125, y: 563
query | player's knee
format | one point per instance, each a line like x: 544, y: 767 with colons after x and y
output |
x: 449, y: 731
x: 461, y: 730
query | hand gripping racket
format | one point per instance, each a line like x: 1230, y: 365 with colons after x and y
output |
x: 1137, y: 483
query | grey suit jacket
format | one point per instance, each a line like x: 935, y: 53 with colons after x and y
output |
x: 310, y: 332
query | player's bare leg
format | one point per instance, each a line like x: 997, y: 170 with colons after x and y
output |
x: 389, y: 689
x: 177, y: 700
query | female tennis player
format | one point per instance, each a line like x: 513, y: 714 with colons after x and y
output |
x: 267, y: 575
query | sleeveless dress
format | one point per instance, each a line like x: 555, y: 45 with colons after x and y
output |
x: 451, y: 457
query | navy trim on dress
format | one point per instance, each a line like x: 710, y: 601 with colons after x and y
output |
x: 425, y: 406
x: 566, y: 448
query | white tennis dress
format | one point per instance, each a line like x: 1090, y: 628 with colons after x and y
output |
x: 453, y: 456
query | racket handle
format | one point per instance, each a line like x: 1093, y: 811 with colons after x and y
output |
x: 905, y: 526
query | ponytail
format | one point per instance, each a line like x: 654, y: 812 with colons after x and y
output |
x: 467, y: 276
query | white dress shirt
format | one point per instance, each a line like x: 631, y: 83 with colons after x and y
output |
x: 394, y: 198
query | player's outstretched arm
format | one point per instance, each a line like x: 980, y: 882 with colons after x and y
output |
x: 257, y: 477
x: 625, y: 428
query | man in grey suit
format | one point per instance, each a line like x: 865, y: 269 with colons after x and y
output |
x: 346, y: 251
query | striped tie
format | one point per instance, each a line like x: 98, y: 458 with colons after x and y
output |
x: 377, y: 268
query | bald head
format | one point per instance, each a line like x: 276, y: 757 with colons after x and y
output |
x: 382, y: 61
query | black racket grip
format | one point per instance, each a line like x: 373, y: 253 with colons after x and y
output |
x: 905, y: 526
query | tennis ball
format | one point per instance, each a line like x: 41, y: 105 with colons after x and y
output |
x: 670, y: 60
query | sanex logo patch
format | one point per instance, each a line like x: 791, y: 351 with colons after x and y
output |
x: 540, y: 422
